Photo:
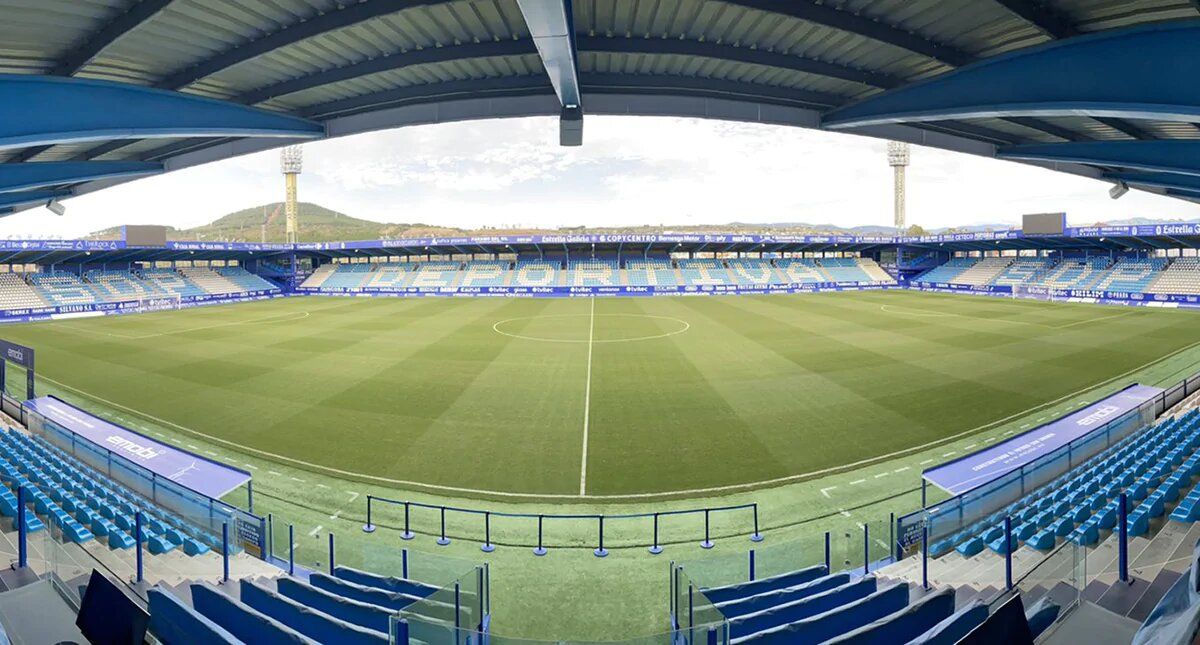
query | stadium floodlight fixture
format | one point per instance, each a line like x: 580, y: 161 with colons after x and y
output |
x: 1119, y: 189
x: 291, y: 159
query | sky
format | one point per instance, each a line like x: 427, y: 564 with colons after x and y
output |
x: 630, y: 170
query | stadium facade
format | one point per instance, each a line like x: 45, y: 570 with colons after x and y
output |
x: 1148, y: 264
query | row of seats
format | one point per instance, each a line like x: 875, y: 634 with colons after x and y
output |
x: 597, y: 273
x: 349, y: 606
x: 1149, y: 467
x: 93, y: 287
x: 813, y: 606
x: 88, y: 505
x: 1100, y: 273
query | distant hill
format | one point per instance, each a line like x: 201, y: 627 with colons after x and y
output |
x: 321, y: 224
x: 269, y: 223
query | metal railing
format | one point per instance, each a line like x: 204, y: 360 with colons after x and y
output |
x: 537, y: 522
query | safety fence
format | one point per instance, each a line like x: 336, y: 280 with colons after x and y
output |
x: 652, y: 526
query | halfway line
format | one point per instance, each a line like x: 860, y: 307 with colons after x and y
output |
x: 587, y: 400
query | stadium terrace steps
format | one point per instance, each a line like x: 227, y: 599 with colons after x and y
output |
x: 15, y: 293
x: 983, y: 271
x: 63, y: 289
x: 597, y: 272
x: 1132, y: 275
x: 244, y: 280
x: 813, y: 606
x: 947, y: 272
x: 1024, y: 271
x: 210, y: 281
x: 318, y: 277
x: 325, y: 609
x: 172, y: 282
x: 1181, y: 276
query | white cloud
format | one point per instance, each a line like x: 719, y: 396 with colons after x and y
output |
x: 632, y: 170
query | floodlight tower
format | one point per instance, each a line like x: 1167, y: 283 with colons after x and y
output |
x: 290, y: 160
x: 897, y: 154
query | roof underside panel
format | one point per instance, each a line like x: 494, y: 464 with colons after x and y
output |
x: 332, y: 58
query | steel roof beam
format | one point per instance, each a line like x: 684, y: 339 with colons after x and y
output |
x: 1124, y: 127
x: 1048, y: 21
x: 389, y: 63
x: 337, y: 18
x: 31, y: 197
x: 37, y: 110
x: 24, y: 176
x: 82, y: 54
x: 649, y: 46
x: 552, y: 25
x: 1156, y: 179
x: 1049, y: 128
x: 1178, y: 156
x: 1065, y: 78
x: 834, y: 18
x: 705, y: 49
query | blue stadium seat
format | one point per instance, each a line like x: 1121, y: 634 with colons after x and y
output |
x: 244, y: 623
x: 175, y: 623
x: 306, y: 620
x: 781, y: 581
x: 905, y: 625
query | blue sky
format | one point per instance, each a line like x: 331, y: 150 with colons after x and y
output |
x: 631, y: 170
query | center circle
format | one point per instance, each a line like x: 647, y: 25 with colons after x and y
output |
x: 498, y: 327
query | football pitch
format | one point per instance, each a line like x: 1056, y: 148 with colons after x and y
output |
x: 561, y: 398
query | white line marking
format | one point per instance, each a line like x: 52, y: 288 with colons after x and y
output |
x: 314, y: 531
x: 947, y: 454
x: 210, y: 453
x: 295, y: 315
x: 587, y: 401
x: 857, y: 481
x: 272, y: 472
x: 1092, y: 320
x: 251, y: 466
x: 296, y: 479
x: 927, y: 461
x: 970, y: 446
x: 881, y: 475
x: 353, y: 495
x: 844, y: 512
x: 322, y: 486
x: 825, y: 491
x: 335, y: 515
x: 900, y: 470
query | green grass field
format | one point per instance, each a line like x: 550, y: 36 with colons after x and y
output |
x: 605, y: 397
x: 754, y: 388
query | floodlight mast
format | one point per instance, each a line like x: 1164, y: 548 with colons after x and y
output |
x: 898, y: 156
x: 290, y: 160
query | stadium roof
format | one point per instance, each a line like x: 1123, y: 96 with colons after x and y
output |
x: 98, y: 92
x: 1099, y: 239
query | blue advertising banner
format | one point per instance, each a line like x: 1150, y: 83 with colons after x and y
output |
x: 978, y: 468
x: 587, y: 292
x: 200, y: 474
